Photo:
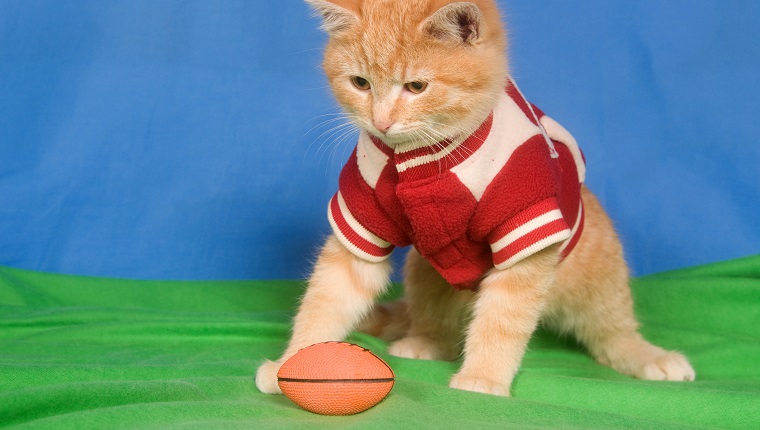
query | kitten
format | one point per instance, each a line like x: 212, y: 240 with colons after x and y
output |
x: 489, y: 190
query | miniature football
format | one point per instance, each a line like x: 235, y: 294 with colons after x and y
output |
x: 335, y: 378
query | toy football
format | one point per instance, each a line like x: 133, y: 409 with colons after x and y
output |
x: 335, y: 378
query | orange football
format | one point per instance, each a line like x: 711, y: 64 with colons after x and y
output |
x: 335, y: 378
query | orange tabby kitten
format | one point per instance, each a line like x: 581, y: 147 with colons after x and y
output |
x: 453, y: 160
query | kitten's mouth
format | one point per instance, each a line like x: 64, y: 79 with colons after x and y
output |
x: 406, y: 138
x: 392, y: 139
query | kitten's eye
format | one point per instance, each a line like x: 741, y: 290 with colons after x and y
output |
x: 360, y: 83
x: 416, y: 87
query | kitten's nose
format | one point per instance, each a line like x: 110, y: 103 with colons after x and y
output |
x: 383, y: 124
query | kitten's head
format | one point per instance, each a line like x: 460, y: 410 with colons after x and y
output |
x: 414, y: 70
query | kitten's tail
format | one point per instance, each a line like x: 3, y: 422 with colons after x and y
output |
x: 387, y: 321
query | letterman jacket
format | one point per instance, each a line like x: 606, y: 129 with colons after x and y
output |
x: 487, y: 200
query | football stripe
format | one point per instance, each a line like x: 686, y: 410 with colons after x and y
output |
x: 322, y: 381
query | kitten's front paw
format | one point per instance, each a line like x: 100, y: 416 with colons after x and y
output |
x: 478, y: 385
x: 266, y: 378
x: 670, y: 366
x: 418, y: 347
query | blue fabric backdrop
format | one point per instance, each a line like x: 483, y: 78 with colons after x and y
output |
x: 182, y: 139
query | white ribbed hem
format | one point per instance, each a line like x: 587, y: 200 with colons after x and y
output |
x: 538, y: 246
x: 429, y: 158
x: 362, y: 232
x: 525, y: 229
x: 577, y: 224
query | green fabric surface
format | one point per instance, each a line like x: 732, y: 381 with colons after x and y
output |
x: 80, y: 353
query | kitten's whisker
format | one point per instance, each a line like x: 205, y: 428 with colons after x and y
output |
x: 325, y: 141
x: 340, y: 116
x: 316, y: 88
x: 460, y: 152
x: 440, y: 145
x: 331, y: 132
x: 335, y: 128
x: 460, y: 130
x: 302, y: 51
x: 344, y: 136
x: 340, y: 141
x: 323, y: 124
x: 331, y: 135
x: 434, y: 143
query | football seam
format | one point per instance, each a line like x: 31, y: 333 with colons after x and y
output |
x: 318, y: 381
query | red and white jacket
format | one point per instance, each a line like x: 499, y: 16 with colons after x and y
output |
x: 489, y: 200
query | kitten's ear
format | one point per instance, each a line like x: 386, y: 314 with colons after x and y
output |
x: 335, y: 18
x: 460, y: 22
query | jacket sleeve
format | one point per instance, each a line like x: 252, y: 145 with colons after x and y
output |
x: 519, y: 213
x: 355, y: 215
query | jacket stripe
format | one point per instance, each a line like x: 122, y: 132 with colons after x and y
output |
x: 353, y: 235
x: 530, y: 231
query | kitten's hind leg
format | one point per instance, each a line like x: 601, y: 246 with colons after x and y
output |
x: 388, y: 321
x: 592, y: 300
x: 435, y: 313
x: 340, y: 292
x: 609, y: 332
